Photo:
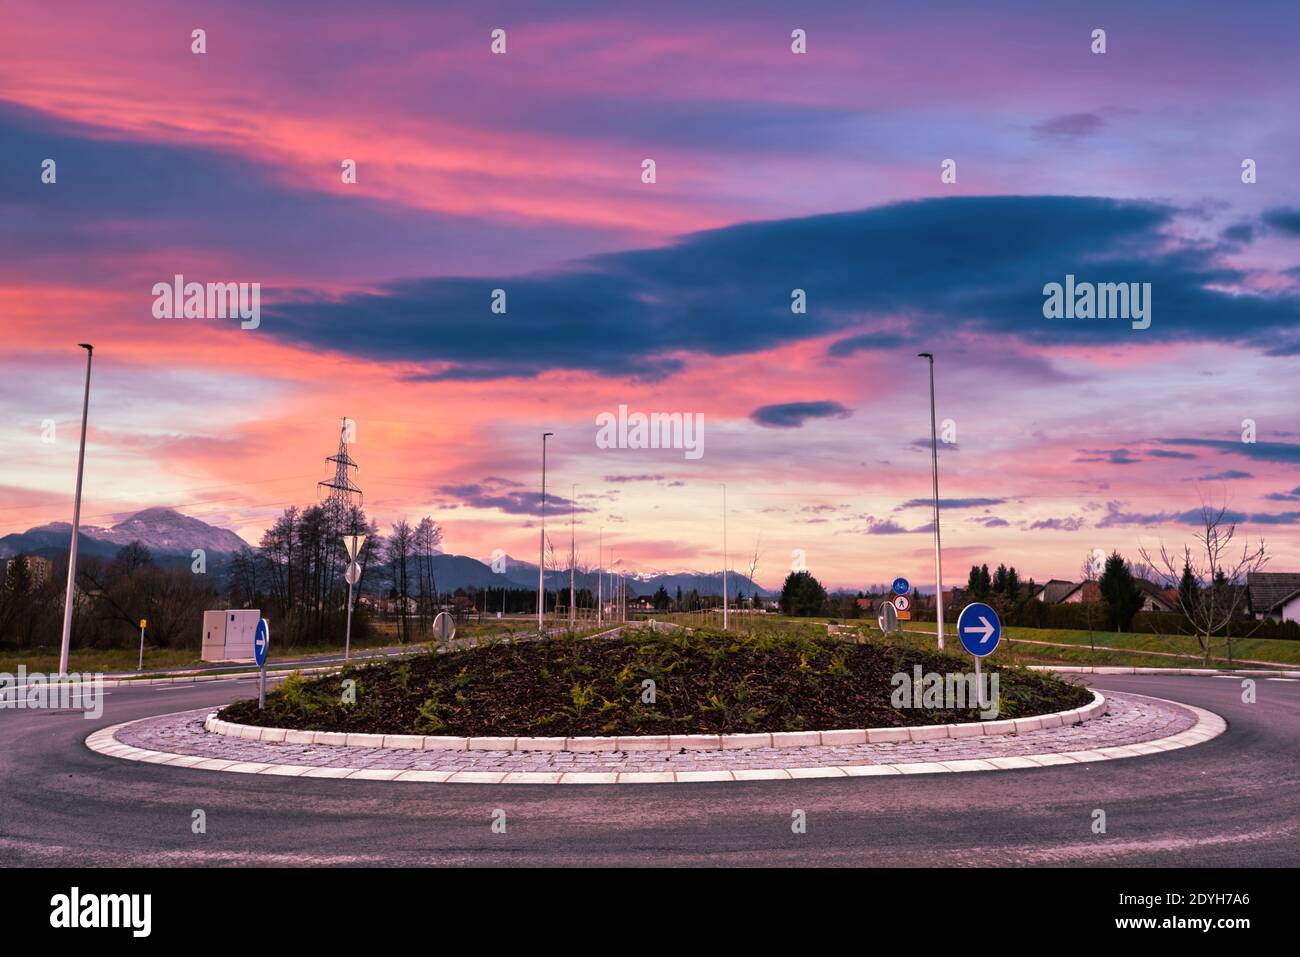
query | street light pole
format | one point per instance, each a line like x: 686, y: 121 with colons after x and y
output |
x: 724, y: 556
x: 573, y: 494
x: 76, y: 522
x: 541, y: 554
x: 934, y: 467
x: 600, y: 575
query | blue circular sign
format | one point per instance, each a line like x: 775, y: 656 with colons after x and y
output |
x: 902, y: 586
x: 261, y: 641
x: 979, y: 629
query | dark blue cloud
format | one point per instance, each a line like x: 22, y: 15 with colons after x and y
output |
x: 1117, y: 517
x: 925, y: 445
x: 169, y: 208
x: 929, y: 268
x: 867, y: 342
x: 1196, y: 516
x: 1070, y: 126
x: 1261, y: 451
x: 1070, y: 524
x: 1239, y: 234
x: 1275, y: 518
x: 952, y: 502
x: 1108, y: 456
x: 1226, y: 475
x: 1291, y: 496
x: 508, y: 497
x: 883, y: 527
x: 792, y: 415
x: 1283, y: 220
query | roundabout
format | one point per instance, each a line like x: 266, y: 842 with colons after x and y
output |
x: 1233, y: 799
x: 1123, y: 726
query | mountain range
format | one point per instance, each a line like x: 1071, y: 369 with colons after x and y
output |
x: 165, y: 532
x: 524, y: 574
x: 171, y: 538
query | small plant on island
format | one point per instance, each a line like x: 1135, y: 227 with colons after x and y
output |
x: 704, y: 682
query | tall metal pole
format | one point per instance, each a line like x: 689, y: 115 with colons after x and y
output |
x: 347, y: 637
x: 573, y: 493
x: 934, y: 459
x: 541, y: 555
x: 76, y: 522
x: 724, y: 556
x: 600, y: 575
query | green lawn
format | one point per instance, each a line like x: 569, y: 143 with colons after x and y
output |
x: 106, y: 660
x: 46, y: 660
x: 1259, y: 649
x: 1112, y: 649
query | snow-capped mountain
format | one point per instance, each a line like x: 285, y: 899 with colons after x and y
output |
x: 164, y: 531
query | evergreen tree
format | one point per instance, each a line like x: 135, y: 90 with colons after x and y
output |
x: 1120, y: 593
x: 1189, y: 589
x: 1000, y: 580
x: 979, y: 585
x: 802, y: 595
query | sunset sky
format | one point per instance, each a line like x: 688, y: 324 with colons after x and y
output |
x: 775, y: 171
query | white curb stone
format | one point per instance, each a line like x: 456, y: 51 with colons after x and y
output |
x: 796, y: 739
x: 845, y: 736
x: 1208, y: 726
x: 933, y: 732
x: 675, y: 742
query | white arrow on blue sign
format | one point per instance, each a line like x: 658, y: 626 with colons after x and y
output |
x: 261, y: 641
x: 902, y: 586
x: 979, y: 629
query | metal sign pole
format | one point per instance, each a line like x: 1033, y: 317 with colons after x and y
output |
x: 262, y: 651
x: 140, y: 666
x: 347, y: 638
x: 352, y: 575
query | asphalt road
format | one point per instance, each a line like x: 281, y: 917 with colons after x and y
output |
x: 1233, y: 801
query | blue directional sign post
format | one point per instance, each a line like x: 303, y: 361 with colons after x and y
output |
x: 901, y: 586
x: 261, y: 646
x: 980, y: 631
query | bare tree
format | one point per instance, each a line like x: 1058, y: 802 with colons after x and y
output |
x: 427, y: 538
x: 753, y: 566
x: 1211, y: 584
x: 1089, y: 572
x: 552, y: 565
x: 401, y: 546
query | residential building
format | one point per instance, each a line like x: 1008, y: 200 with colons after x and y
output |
x: 1154, y: 597
x: 39, y: 569
x: 1274, y: 595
